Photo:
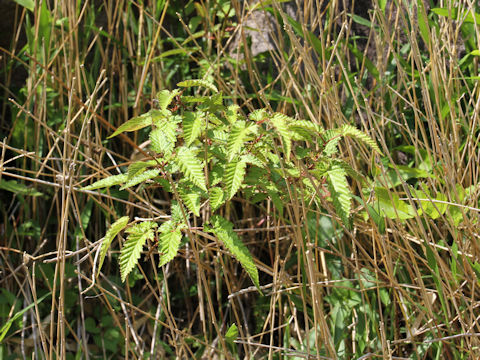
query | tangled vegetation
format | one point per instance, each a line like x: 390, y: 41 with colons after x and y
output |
x: 168, y: 190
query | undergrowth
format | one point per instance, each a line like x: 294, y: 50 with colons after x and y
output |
x: 211, y: 146
x: 315, y: 199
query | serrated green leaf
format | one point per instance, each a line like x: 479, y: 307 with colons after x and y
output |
x: 304, y: 124
x: 214, y: 104
x: 135, y: 123
x: 192, y: 200
x: 300, y: 134
x: 217, y: 198
x: 237, y: 137
x: 168, y: 242
x: 191, y: 166
x: 223, y: 230
x: 164, y: 137
x: 280, y: 123
x: 252, y: 159
x: 165, y: 97
x: 198, y: 82
x: 273, y: 158
x: 138, y: 167
x: 218, y: 134
x: 195, y: 99
x: 350, y: 171
x: 303, y: 129
x: 193, y: 122
x: 144, y: 176
x: 262, y: 153
x: 257, y: 175
x: 217, y: 152
x: 232, y: 113
x: 107, y: 182
x: 176, y: 212
x: 164, y: 183
x: 302, y: 152
x: 112, y: 231
x: 331, y: 139
x: 258, y: 115
x: 215, y: 175
x: 138, y: 234
x: 360, y: 135
x: 233, y: 177
x: 340, y: 192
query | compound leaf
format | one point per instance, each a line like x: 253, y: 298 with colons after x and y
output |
x: 235, y: 139
x: 215, y: 175
x: 176, y: 212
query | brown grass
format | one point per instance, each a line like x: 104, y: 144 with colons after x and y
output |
x: 93, y: 82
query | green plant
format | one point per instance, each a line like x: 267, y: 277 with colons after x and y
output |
x: 402, y: 284
x: 204, y: 153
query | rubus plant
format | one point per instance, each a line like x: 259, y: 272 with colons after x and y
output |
x: 204, y: 153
